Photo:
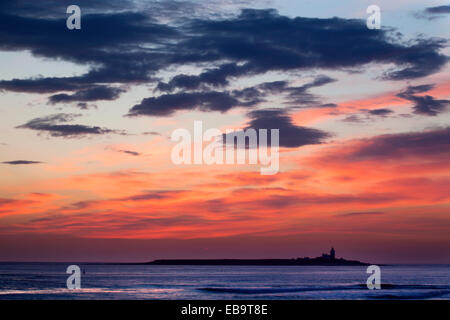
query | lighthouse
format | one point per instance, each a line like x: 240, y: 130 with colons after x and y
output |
x: 332, y: 253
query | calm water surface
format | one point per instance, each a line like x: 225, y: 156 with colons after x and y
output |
x: 48, y: 281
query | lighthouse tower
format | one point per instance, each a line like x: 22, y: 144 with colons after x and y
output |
x: 332, y: 253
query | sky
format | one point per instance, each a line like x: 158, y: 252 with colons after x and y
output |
x: 87, y: 117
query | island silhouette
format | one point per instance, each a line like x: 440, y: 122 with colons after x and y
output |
x: 324, y: 260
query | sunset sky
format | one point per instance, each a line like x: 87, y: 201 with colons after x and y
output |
x: 87, y: 116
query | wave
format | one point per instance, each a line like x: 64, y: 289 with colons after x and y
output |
x: 267, y: 290
x: 263, y: 290
x: 410, y: 286
x: 414, y: 296
x: 53, y: 291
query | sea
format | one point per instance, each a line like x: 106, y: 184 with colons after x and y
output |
x: 32, y: 281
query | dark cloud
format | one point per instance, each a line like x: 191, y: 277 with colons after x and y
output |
x: 380, y: 112
x: 42, y: 85
x: 439, y: 9
x: 4, y: 201
x: 428, y: 143
x: 328, y: 105
x: 214, y: 77
x: 55, y: 126
x: 425, y: 105
x: 151, y: 133
x: 57, y: 8
x: 353, y: 119
x: 295, y: 198
x: 317, y: 82
x: 428, y: 105
x: 361, y: 213
x: 265, y: 41
x: 122, y: 45
x: 413, y: 61
x: 290, y: 135
x: 111, y: 42
x: 167, y: 104
x: 92, y: 94
x: 85, y: 106
x: 274, y: 86
x: 133, y: 153
x: 298, y: 96
x: 152, y: 195
x: 301, y: 96
x: 181, y: 220
x: 416, y: 89
x: 20, y: 162
x: 368, y: 115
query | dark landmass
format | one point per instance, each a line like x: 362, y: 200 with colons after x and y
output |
x: 261, y: 262
x: 324, y: 260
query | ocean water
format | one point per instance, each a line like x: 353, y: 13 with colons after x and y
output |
x: 48, y: 281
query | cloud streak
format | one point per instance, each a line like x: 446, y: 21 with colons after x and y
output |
x: 92, y: 94
x: 21, y: 162
x: 424, y: 105
x: 54, y: 125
